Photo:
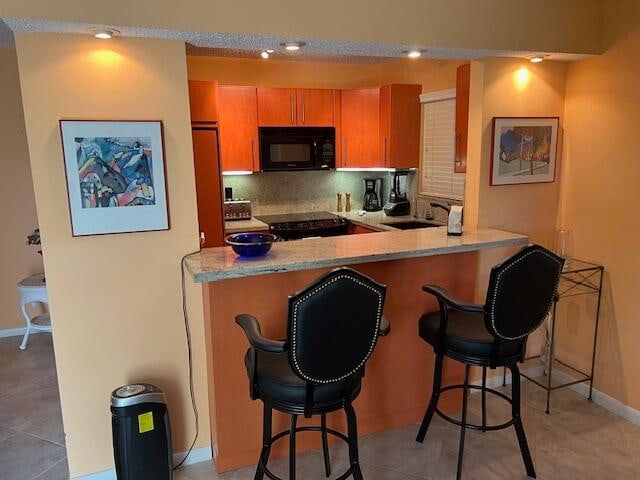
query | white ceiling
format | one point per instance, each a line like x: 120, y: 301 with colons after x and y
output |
x: 244, y: 46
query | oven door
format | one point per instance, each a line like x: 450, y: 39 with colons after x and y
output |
x: 291, y: 149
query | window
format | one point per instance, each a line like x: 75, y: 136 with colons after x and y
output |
x: 437, y: 177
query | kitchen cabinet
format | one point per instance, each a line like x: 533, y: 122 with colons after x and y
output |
x: 400, y: 125
x: 276, y: 107
x: 315, y: 107
x: 360, y: 128
x: 463, y: 79
x: 208, y: 185
x: 203, y: 100
x: 357, y: 229
x: 238, y: 121
x: 289, y: 107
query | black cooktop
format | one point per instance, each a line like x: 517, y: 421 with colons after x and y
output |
x: 297, y: 217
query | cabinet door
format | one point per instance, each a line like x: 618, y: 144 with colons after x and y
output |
x: 203, y: 99
x: 315, y: 107
x: 208, y: 185
x: 360, y: 128
x: 463, y: 81
x: 276, y: 107
x: 400, y: 125
x: 238, y: 122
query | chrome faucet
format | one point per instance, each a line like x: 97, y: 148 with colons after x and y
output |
x: 432, y: 205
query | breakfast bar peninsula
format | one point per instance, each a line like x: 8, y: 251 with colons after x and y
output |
x: 398, y: 379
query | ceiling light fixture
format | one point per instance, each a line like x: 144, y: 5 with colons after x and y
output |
x: 292, y: 46
x: 414, y: 53
x: 265, y: 54
x: 104, y: 33
x: 537, y: 58
x: 269, y: 50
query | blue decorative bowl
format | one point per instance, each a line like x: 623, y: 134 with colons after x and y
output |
x: 250, y: 244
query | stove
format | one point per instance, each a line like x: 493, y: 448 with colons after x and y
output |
x: 293, y: 226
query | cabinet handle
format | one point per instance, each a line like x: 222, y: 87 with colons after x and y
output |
x: 458, y: 161
x: 344, y: 152
x: 384, y: 151
x: 292, y: 112
x: 302, y: 107
x: 253, y: 155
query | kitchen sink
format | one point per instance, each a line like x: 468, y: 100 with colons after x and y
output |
x: 412, y: 224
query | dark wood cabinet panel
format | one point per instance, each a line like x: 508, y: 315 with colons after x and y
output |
x: 400, y: 125
x: 463, y: 82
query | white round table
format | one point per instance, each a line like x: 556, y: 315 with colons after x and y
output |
x: 33, y: 289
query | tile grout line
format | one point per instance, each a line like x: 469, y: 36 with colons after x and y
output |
x: 47, y: 469
x: 36, y: 436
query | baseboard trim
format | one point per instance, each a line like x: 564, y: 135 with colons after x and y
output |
x: 197, y: 455
x: 16, y: 332
x: 607, y: 402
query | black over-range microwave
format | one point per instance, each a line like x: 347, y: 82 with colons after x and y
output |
x: 297, y: 148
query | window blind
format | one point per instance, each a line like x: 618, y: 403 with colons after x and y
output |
x: 437, y: 175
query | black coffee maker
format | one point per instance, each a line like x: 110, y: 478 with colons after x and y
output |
x: 372, y: 188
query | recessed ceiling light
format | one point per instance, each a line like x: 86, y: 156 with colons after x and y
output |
x: 104, y: 33
x: 293, y: 46
x: 537, y: 58
x: 265, y: 54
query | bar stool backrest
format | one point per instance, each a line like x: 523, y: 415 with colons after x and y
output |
x: 521, y: 292
x: 334, y: 325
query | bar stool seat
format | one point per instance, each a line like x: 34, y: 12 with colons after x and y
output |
x: 275, y: 379
x: 466, y: 335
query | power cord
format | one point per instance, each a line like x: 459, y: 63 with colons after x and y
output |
x: 187, y: 330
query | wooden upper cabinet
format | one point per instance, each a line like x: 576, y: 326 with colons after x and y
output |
x: 203, y: 99
x: 289, y: 107
x: 315, y: 107
x: 360, y: 128
x: 238, y: 120
x: 400, y: 125
x: 463, y: 82
x: 276, y: 107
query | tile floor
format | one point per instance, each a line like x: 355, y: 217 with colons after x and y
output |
x: 579, y: 440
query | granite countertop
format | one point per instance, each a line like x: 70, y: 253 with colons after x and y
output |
x: 213, y: 264
x: 372, y: 220
x: 241, y: 226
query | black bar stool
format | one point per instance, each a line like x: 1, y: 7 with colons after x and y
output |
x: 520, y: 295
x: 333, y: 327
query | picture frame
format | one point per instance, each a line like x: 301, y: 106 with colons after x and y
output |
x: 523, y: 150
x: 116, y: 176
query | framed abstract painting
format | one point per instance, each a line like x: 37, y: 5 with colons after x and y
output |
x: 523, y: 150
x: 116, y: 180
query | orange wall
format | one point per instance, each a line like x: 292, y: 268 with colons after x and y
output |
x: 497, y: 90
x: 600, y: 195
x: 431, y: 74
x: 115, y: 299
x: 17, y: 200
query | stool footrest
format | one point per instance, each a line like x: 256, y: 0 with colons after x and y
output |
x: 471, y: 425
x: 286, y: 433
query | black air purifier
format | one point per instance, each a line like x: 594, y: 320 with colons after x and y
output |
x: 141, y: 433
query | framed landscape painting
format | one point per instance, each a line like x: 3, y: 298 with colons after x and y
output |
x: 523, y: 150
x: 115, y: 176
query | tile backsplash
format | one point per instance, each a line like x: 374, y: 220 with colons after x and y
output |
x: 282, y: 192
